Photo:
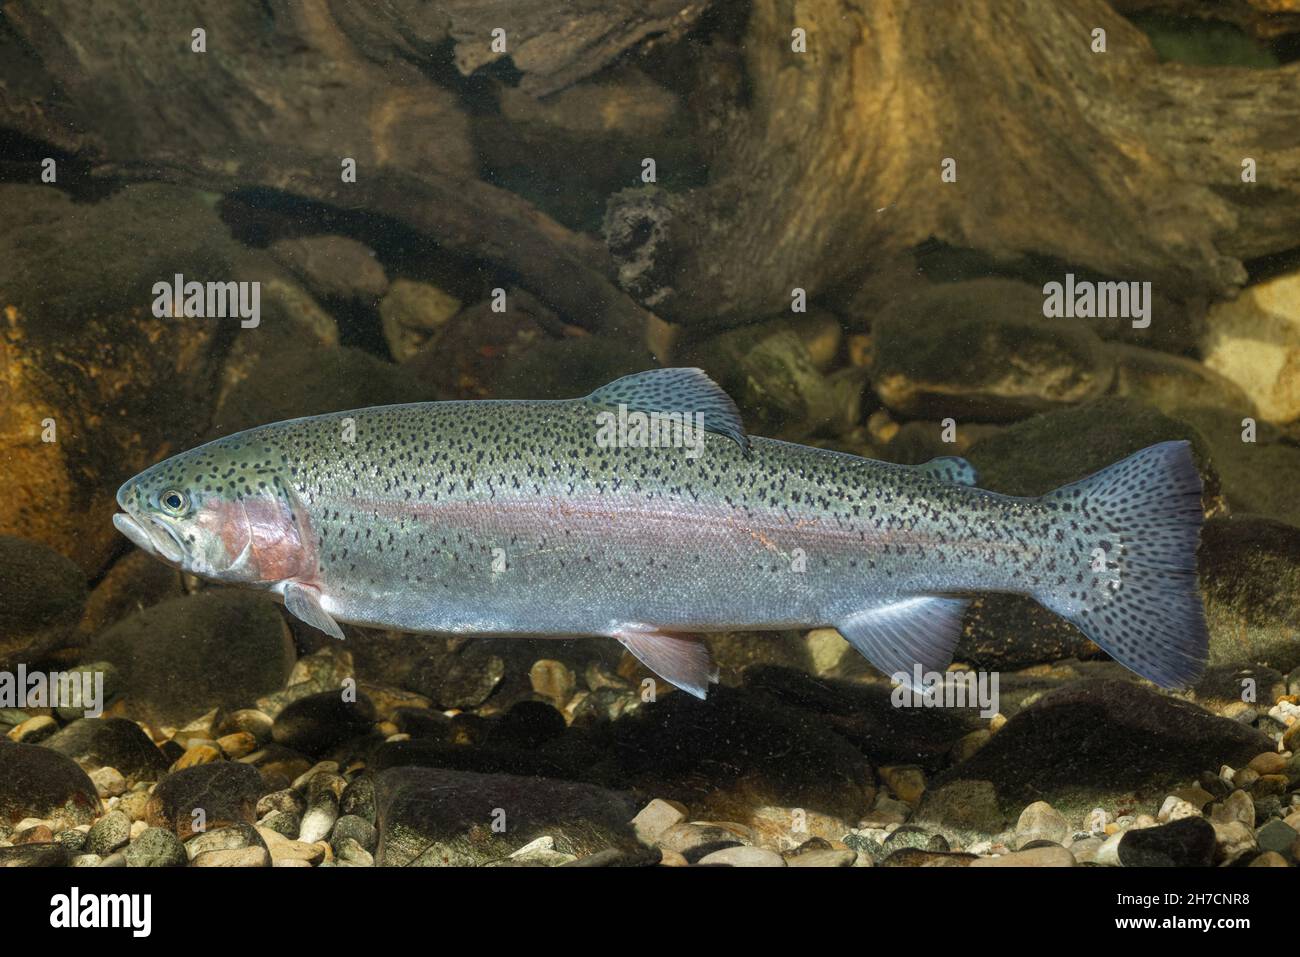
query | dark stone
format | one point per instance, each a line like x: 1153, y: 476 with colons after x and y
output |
x: 166, y: 653
x: 41, y: 598
x: 318, y: 722
x: 227, y: 793
x: 356, y: 828
x: 36, y: 855
x: 1185, y: 843
x: 358, y: 799
x: 111, y: 743
x: 528, y: 724
x: 918, y: 857
x: 156, y: 847
x: 1099, y: 741
x: 435, y: 817
x: 38, y: 782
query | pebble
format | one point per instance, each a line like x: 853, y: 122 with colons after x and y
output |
x: 156, y: 847
x: 1237, y: 806
x: 1045, y: 856
x: 1232, y: 838
x: 34, y: 730
x: 541, y: 852
x: 109, y: 833
x: 654, y: 819
x: 351, y: 852
x: 1276, y: 836
x: 287, y: 801
x: 134, y: 804
x: 234, y: 857
x: 87, y: 860
x: 282, y: 822
x: 1269, y: 859
x: 743, y: 857
x: 1189, y: 842
x: 351, y: 827
x: 282, y: 848
x: 247, y: 721
x: 886, y: 811
x: 688, y: 839
x: 237, y: 745
x: 1096, y: 821
x: 1108, y: 853
x: 827, y: 857
x: 553, y: 680
x: 907, y: 781
x: 1270, y: 762
x: 1085, y: 849
x: 1175, y: 809
x: 1041, y: 822
x: 109, y: 782
x: 323, y: 792
x: 223, y: 839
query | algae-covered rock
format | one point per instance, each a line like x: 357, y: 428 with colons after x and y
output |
x: 38, y: 782
x: 333, y: 267
x: 41, y: 597
x: 305, y: 379
x: 433, y: 817
x: 982, y: 350
x: 1047, y: 451
x: 188, y: 655
x: 110, y: 743
x: 414, y: 315
x: 1104, y: 743
x: 773, y: 376
x: 1250, y: 577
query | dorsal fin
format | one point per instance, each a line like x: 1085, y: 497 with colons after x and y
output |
x: 951, y: 468
x: 676, y: 390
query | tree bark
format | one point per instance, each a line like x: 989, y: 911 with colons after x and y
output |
x: 1110, y: 161
x: 285, y: 91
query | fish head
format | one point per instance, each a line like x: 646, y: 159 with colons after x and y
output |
x: 219, y: 511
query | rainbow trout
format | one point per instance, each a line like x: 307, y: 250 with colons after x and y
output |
x: 644, y: 513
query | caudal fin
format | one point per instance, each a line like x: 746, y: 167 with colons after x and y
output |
x: 1132, y: 531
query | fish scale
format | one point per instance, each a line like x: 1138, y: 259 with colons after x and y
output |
x: 511, y: 518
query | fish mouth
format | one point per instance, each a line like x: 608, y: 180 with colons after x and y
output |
x: 150, y: 536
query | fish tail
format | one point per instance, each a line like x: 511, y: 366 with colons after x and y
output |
x: 1128, y: 574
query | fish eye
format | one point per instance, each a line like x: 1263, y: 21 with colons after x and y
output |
x: 173, y: 500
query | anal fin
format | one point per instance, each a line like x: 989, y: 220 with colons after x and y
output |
x: 303, y: 601
x: 897, y: 636
x: 681, y: 660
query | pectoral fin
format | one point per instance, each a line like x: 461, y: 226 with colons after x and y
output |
x: 681, y: 660
x: 303, y: 601
x: 894, y: 637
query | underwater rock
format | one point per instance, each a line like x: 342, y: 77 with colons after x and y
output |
x: 225, y: 791
x: 38, y: 782
x: 117, y: 743
x: 1250, y: 578
x: 982, y: 350
x: 465, y: 680
x: 1012, y: 631
x: 318, y: 722
x: 1171, y: 383
x: 1047, y: 451
x: 734, y: 651
x: 156, y: 847
x: 333, y: 267
x: 863, y: 715
x: 132, y: 583
x: 108, y: 834
x: 165, y: 654
x: 1103, y: 742
x: 1188, y: 842
x: 41, y: 597
x: 35, y: 855
x: 919, y: 857
x: 965, y: 806
x: 88, y: 363
x: 773, y: 376
x: 1254, y: 340
x: 433, y: 817
x: 414, y: 316
x: 566, y: 368
x: 299, y: 380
